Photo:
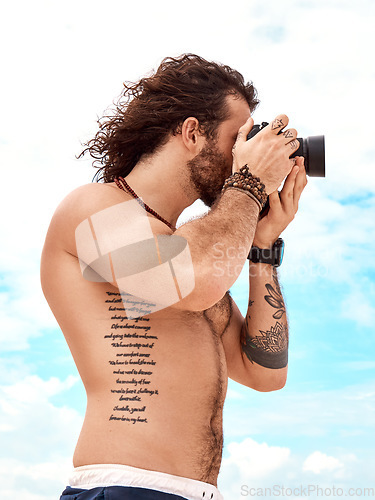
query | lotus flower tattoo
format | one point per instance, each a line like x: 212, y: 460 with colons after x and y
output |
x: 275, y: 340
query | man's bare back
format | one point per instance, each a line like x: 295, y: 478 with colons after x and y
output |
x: 156, y: 384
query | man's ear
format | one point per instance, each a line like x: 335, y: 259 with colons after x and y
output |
x: 192, y: 138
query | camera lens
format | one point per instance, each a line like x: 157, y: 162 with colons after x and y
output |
x: 313, y: 150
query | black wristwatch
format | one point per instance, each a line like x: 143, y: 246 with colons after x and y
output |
x: 273, y: 255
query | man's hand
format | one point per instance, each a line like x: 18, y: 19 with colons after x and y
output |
x: 282, y: 208
x: 267, y: 153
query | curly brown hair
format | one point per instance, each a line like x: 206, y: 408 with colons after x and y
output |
x: 149, y: 111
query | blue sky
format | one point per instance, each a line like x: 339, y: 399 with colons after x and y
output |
x: 65, y: 63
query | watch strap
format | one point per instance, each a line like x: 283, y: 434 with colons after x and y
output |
x: 272, y: 256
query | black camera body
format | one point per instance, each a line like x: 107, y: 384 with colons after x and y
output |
x: 311, y: 148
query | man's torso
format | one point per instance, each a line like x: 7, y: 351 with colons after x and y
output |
x: 155, y: 385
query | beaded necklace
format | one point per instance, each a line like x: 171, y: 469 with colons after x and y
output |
x: 122, y: 184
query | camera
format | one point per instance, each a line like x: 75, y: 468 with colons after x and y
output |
x: 311, y: 148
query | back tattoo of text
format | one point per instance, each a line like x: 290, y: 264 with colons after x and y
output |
x: 132, y: 360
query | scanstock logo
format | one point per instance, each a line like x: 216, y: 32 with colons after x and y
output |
x: 117, y: 245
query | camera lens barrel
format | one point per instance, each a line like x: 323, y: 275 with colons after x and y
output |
x: 316, y: 155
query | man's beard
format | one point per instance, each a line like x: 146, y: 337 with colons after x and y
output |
x: 208, y: 171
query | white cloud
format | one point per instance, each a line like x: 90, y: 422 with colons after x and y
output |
x: 32, y: 389
x: 328, y: 240
x: 359, y: 306
x: 24, y: 312
x: 13, y: 367
x: 15, y: 331
x: 358, y: 365
x: 37, y: 438
x: 233, y: 394
x: 252, y: 468
x: 318, y: 66
x: 319, y: 462
x: 311, y: 414
x: 21, y: 479
x: 256, y: 460
x: 33, y: 428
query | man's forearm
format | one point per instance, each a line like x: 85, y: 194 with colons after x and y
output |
x: 219, y: 244
x: 264, y: 337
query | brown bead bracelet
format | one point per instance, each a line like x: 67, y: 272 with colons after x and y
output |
x: 249, y: 183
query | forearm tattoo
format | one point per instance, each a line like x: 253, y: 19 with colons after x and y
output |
x: 275, y: 297
x: 132, y: 363
x: 270, y: 348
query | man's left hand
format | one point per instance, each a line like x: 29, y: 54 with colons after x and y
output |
x: 283, y: 207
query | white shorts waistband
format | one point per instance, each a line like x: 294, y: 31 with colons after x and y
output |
x: 96, y: 475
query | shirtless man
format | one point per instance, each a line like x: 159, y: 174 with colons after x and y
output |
x: 156, y: 381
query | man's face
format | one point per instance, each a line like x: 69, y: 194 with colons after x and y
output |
x: 209, y: 169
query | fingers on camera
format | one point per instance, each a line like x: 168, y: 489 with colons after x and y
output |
x: 290, y: 135
x: 279, y: 123
x: 245, y: 129
x: 293, y: 145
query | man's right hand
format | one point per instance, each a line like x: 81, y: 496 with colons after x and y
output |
x: 267, y: 153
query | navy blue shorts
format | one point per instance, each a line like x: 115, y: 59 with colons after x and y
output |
x: 117, y: 493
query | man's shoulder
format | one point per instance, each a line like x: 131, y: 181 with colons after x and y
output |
x: 93, y: 202
x: 90, y: 198
x: 78, y: 205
